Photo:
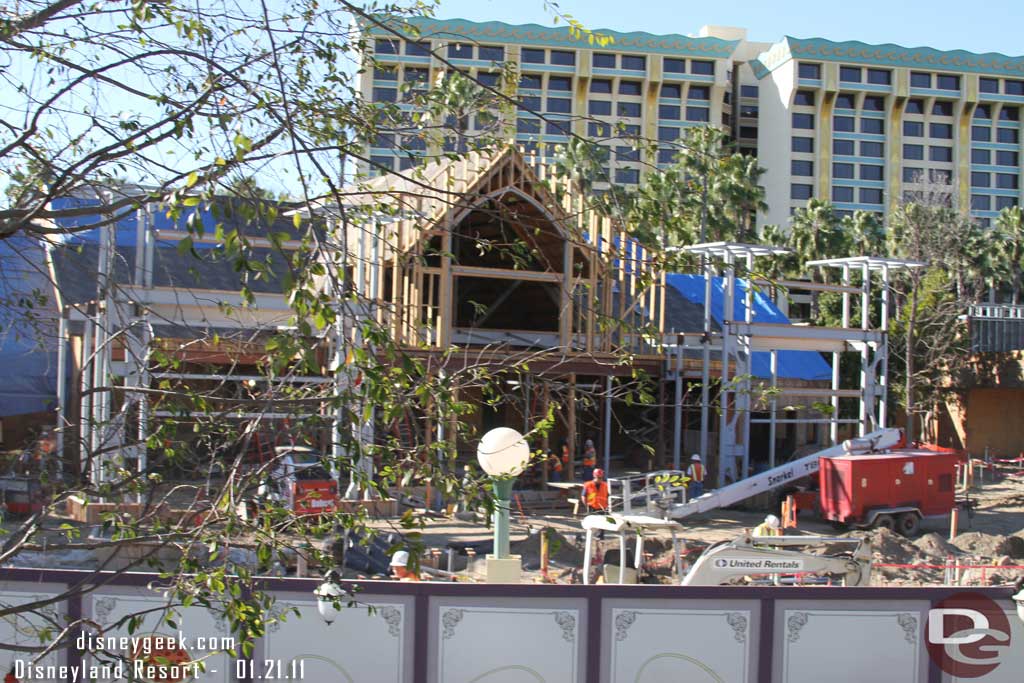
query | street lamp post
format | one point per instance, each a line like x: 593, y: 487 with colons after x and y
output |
x: 503, y: 454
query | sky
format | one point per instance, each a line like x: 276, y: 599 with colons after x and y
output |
x: 980, y: 26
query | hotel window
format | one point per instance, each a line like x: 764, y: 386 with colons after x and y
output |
x: 801, y: 144
x: 842, y: 194
x: 674, y: 66
x: 1004, y: 158
x: 559, y: 105
x: 749, y: 111
x: 851, y: 74
x: 913, y: 129
x: 1009, y: 114
x: 941, y: 130
x: 843, y: 124
x: 880, y: 76
x: 919, y: 79
x: 702, y: 114
x: 983, y: 111
x: 981, y: 156
x: 942, y: 109
x: 1013, y: 87
x: 808, y: 70
x: 634, y: 62
x: 805, y: 121
x: 1005, y: 203
x: 915, y: 107
x: 418, y: 48
x: 530, y: 103
x: 629, y: 88
x: 666, y: 134
x: 630, y: 130
x: 842, y: 170
x: 420, y: 77
x: 915, y: 152
x: 748, y: 132
x: 804, y: 98
x: 979, y: 179
x: 385, y: 94
x: 988, y: 84
x: 845, y: 102
x: 531, y: 56
x: 872, y: 126
x: 385, y: 73
x: 666, y: 156
x: 1008, y: 135
x: 669, y: 111
x: 563, y: 57
x: 627, y: 154
x: 381, y: 163
x: 530, y: 82
x: 596, y: 129
x: 981, y: 202
x: 560, y: 83
x: 698, y: 92
x: 599, y: 108
x: 527, y: 125
x: 800, y: 191
x: 603, y: 60
x: 871, y: 149
x: 870, y: 195
x: 748, y: 91
x: 948, y: 82
x: 981, y: 133
x: 702, y: 67
x: 671, y: 91
x: 912, y: 174
x: 629, y: 109
x: 871, y: 172
x: 943, y: 154
x: 939, y: 177
x: 627, y: 176
x: 383, y: 46
x: 842, y: 147
x: 385, y: 140
x: 874, y: 103
x: 801, y: 167
x: 461, y: 51
x: 1007, y: 181
x: 491, y: 53
x: 601, y: 85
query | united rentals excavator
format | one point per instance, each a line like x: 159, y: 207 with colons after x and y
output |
x: 746, y: 555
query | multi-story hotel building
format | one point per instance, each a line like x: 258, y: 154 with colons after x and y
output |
x: 858, y: 125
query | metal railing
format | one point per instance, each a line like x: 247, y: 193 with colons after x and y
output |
x: 651, y: 493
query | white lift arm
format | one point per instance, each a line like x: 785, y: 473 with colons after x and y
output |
x: 784, y: 474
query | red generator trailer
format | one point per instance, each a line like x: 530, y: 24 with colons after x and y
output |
x: 893, y: 490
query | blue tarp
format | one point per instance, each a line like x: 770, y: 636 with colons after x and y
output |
x: 806, y: 365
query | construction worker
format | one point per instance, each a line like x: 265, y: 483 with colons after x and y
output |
x: 554, y: 466
x: 400, y: 567
x: 695, y: 472
x: 589, y: 459
x: 771, y: 526
x: 595, y: 492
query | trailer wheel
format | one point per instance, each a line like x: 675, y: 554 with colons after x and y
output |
x: 884, y: 522
x: 908, y: 524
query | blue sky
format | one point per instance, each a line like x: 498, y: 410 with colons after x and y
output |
x: 985, y: 26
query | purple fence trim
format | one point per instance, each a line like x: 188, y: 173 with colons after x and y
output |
x: 766, y: 634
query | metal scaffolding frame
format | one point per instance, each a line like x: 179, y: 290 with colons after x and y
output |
x: 740, y: 339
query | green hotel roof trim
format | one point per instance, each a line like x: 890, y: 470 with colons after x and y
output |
x: 546, y: 36
x: 854, y: 52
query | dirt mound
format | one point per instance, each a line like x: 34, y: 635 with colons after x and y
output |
x: 935, y: 546
x: 990, y: 545
x: 891, y: 548
x: 561, y: 549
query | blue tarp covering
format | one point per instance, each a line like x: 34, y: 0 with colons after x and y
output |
x: 806, y: 365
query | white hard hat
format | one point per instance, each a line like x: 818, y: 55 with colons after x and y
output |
x: 400, y: 559
x: 589, y: 442
x: 772, y: 521
x: 695, y: 457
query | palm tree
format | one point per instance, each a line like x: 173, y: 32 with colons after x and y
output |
x: 1010, y: 236
x: 863, y: 232
x: 815, y: 235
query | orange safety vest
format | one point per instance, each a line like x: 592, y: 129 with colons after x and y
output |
x: 556, y: 464
x: 596, y: 494
x: 696, y: 472
x: 590, y: 457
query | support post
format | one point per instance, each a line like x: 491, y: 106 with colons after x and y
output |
x: 571, y: 468
x: 883, y: 379
x: 836, y: 362
x: 705, y: 371
x: 726, y: 460
x: 867, y: 384
x: 62, y: 392
x: 774, y: 407
x: 677, y: 412
x: 608, y: 426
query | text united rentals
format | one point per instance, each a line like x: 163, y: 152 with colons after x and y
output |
x: 773, y: 565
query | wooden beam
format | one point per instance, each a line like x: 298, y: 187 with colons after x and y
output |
x: 503, y: 274
x: 571, y: 469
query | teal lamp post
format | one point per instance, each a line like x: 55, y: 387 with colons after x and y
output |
x: 503, y: 455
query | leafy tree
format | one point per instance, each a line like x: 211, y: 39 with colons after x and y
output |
x: 1009, y: 251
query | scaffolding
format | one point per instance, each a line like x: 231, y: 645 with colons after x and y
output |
x: 740, y: 339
